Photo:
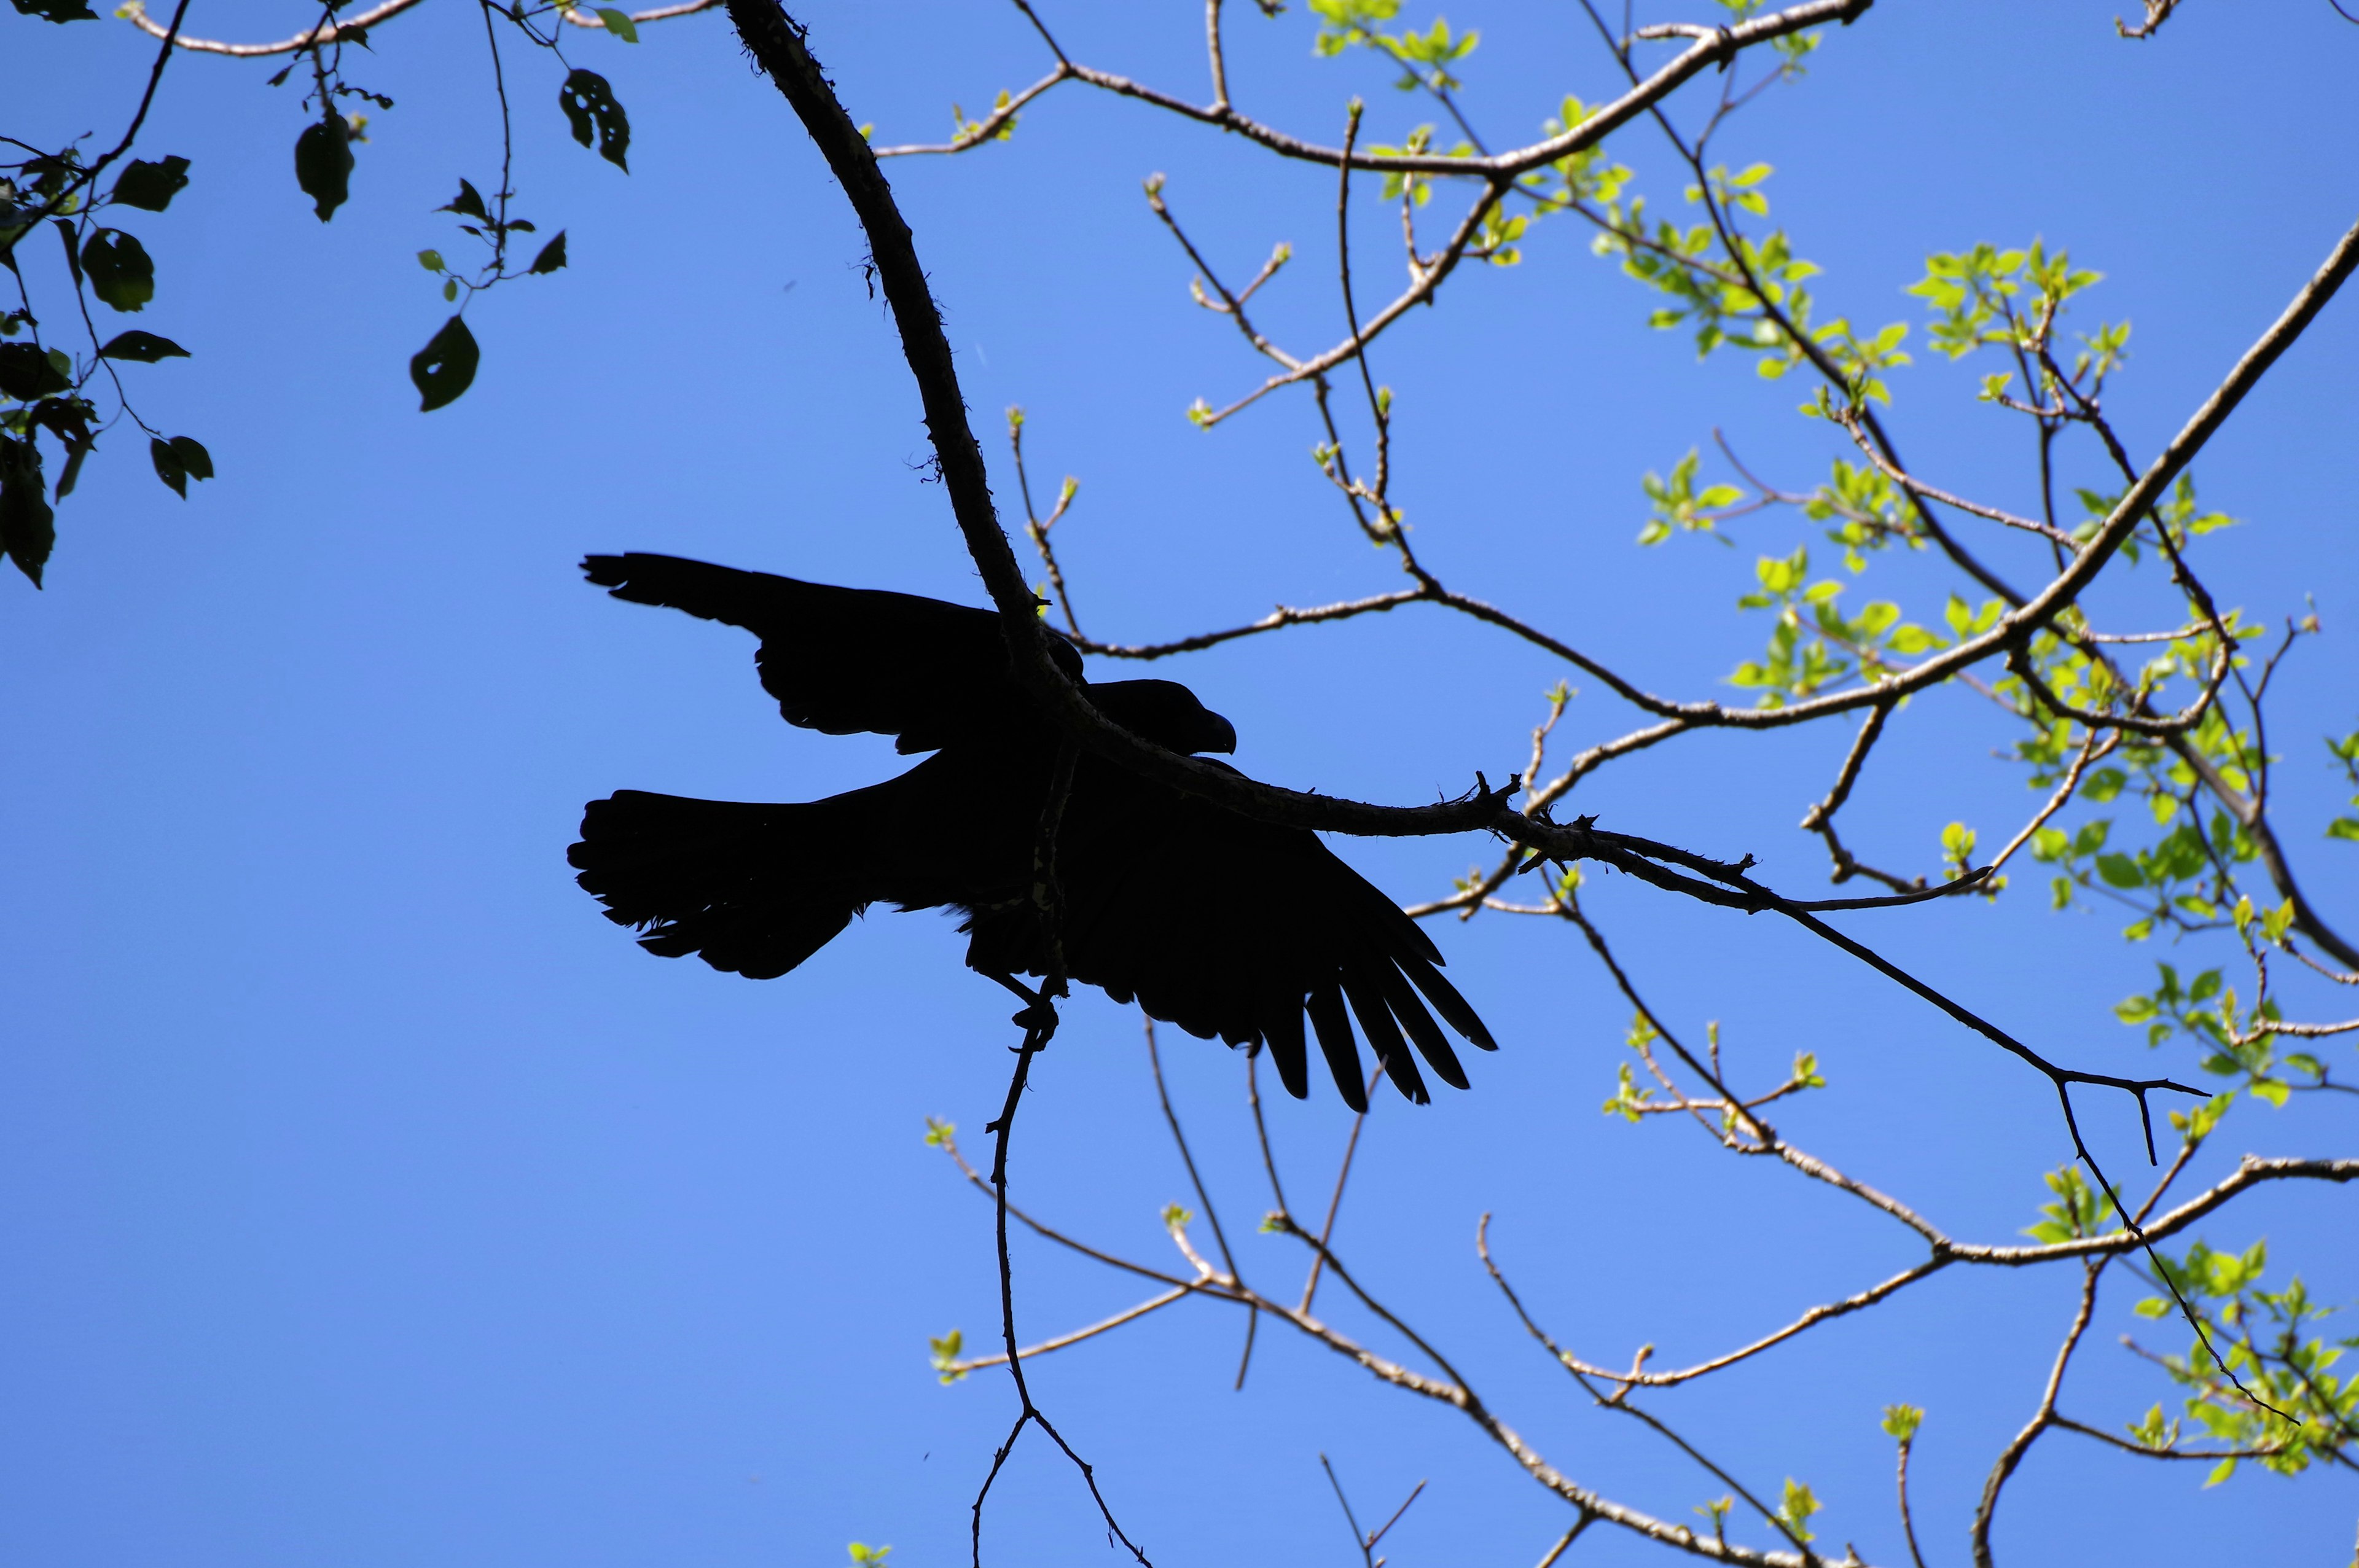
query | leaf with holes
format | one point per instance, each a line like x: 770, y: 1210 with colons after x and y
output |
x: 445, y: 367
x: 142, y: 347
x: 588, y: 104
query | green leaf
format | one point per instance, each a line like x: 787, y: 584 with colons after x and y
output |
x: 445, y: 367
x: 119, y: 269
x: 2120, y: 871
x: 619, y: 24
x: 944, y: 1353
x: 589, y: 102
x: 1901, y: 1422
x: 27, y: 526
x: 2344, y: 827
x: 25, y: 373
x: 141, y: 347
x: 324, y: 163
x: 1782, y: 575
x: 151, y: 186
x: 1794, y: 1510
x: 552, y: 257
x: 179, y: 460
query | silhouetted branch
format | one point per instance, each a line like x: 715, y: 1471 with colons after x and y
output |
x: 24, y: 224
x: 2041, y: 1419
x: 355, y: 28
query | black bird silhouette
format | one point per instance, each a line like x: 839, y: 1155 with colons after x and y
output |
x: 1212, y: 921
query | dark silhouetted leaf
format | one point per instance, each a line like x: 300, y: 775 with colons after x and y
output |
x: 119, y: 269
x: 73, y: 471
x: 73, y: 257
x: 152, y: 185
x: 179, y: 460
x: 13, y: 221
x: 552, y: 255
x: 27, y: 526
x: 67, y: 417
x: 588, y: 101
x: 56, y: 11
x: 168, y: 467
x: 147, y: 348
x: 468, y: 202
x: 445, y: 367
x: 193, y: 457
x: 25, y: 373
x: 323, y: 163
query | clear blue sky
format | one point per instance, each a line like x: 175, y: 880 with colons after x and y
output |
x: 367, y: 1199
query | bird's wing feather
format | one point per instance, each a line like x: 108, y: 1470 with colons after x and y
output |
x: 1231, y: 927
x: 844, y: 660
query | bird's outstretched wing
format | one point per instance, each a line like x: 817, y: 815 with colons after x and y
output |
x: 1236, y: 928
x: 844, y: 660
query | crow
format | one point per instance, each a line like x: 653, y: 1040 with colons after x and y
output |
x: 1210, y: 920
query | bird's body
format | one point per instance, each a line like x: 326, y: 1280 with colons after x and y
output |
x: 1222, y: 924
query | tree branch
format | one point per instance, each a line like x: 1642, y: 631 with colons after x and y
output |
x: 355, y: 28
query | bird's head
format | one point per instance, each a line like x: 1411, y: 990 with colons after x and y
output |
x: 1164, y: 712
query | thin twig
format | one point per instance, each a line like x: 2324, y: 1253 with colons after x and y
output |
x: 2041, y: 1419
x: 1335, y: 1202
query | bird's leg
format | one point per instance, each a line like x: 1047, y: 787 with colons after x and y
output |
x: 1038, y: 1013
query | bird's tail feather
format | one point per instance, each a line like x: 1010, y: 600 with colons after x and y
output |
x: 753, y: 889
